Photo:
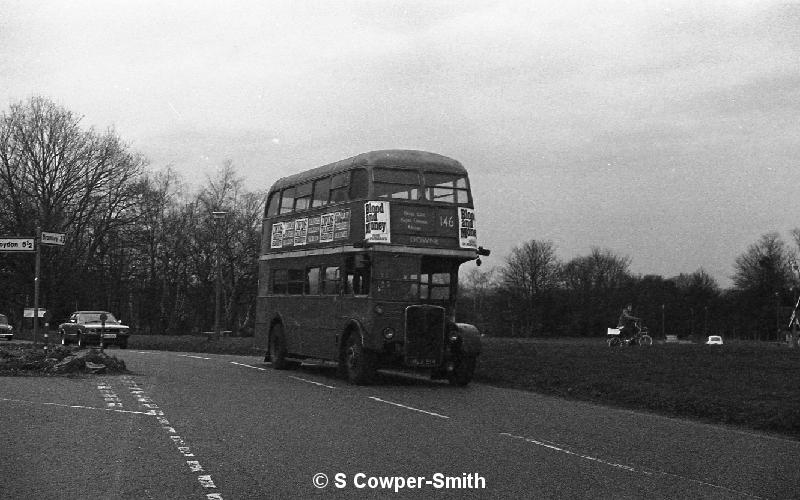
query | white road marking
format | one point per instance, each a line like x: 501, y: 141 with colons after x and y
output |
x: 640, y: 470
x: 561, y: 449
x: 111, y: 399
x: 190, y: 356
x: 78, y: 407
x: 248, y: 366
x: 409, y: 407
x: 312, y: 382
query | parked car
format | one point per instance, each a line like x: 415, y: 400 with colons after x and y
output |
x: 6, y: 330
x: 714, y: 340
x: 94, y: 327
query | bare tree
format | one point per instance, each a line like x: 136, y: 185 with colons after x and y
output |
x: 597, y: 285
x: 763, y: 282
x: 478, y: 285
x: 66, y: 179
x: 531, y: 272
x: 765, y: 267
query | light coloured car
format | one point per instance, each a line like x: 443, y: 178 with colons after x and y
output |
x: 6, y: 330
x: 714, y: 340
x: 94, y: 327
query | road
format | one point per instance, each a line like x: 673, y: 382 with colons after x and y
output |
x: 199, y: 426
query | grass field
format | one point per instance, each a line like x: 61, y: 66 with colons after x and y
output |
x: 749, y: 384
x: 752, y: 385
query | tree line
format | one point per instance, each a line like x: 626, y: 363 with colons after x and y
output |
x: 138, y: 243
x: 534, y: 293
x: 143, y: 245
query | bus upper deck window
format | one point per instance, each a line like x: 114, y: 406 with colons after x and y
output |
x: 272, y: 204
x: 322, y: 188
x: 447, y: 188
x: 396, y: 183
x: 302, y: 199
x: 339, y: 187
x: 287, y: 200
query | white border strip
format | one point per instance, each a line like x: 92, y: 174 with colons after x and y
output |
x: 312, y: 382
x: 80, y: 407
x: 408, y: 407
x: 248, y: 366
x: 641, y: 470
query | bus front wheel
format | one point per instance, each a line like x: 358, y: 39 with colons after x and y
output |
x: 463, y: 371
x: 359, y: 367
x: 277, y: 348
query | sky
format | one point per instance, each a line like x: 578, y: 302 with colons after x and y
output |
x: 665, y: 131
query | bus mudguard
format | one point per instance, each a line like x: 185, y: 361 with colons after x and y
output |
x: 354, y: 327
x: 470, y: 338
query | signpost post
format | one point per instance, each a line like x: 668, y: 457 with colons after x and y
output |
x: 46, y: 239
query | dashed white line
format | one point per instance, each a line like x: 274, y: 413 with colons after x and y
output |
x: 640, y: 470
x: 191, y: 356
x: 438, y: 415
x: 183, y: 448
x: 561, y: 449
x: 248, y: 366
x: 311, y: 382
x: 78, y: 407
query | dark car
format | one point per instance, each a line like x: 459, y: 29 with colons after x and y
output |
x: 94, y: 327
x: 6, y: 330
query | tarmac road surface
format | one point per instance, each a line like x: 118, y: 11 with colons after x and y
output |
x: 200, y: 426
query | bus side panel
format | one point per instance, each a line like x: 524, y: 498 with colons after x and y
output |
x: 317, y: 315
x: 262, y: 324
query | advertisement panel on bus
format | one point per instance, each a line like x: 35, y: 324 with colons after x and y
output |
x: 383, y: 222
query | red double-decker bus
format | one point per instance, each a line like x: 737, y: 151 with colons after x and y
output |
x: 359, y: 265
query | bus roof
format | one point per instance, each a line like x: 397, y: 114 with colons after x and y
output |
x: 381, y: 158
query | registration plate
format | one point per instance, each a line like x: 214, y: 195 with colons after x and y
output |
x: 422, y: 362
x: 109, y: 335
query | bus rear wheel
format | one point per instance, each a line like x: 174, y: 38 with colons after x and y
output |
x: 277, y: 348
x: 359, y: 366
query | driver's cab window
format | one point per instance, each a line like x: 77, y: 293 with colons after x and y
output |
x: 438, y: 279
x: 358, y: 269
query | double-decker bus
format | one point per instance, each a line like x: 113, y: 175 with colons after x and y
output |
x: 359, y: 265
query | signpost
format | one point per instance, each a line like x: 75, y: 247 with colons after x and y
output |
x: 23, y: 244
x: 14, y: 244
x: 53, y: 238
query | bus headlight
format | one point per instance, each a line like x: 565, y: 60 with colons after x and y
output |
x: 388, y: 333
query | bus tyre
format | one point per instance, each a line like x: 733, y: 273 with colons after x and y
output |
x: 614, y: 342
x: 463, y: 371
x: 359, y: 367
x: 277, y: 348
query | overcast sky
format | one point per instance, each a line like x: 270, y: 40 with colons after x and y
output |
x: 666, y: 131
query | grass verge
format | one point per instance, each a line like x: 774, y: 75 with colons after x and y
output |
x: 747, y: 385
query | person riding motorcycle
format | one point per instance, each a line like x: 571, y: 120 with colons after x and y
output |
x: 627, y: 322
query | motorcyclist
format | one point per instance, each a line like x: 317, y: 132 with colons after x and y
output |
x: 627, y: 322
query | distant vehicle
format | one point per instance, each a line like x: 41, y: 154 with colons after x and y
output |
x: 714, y: 340
x: 88, y: 327
x: 6, y: 330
